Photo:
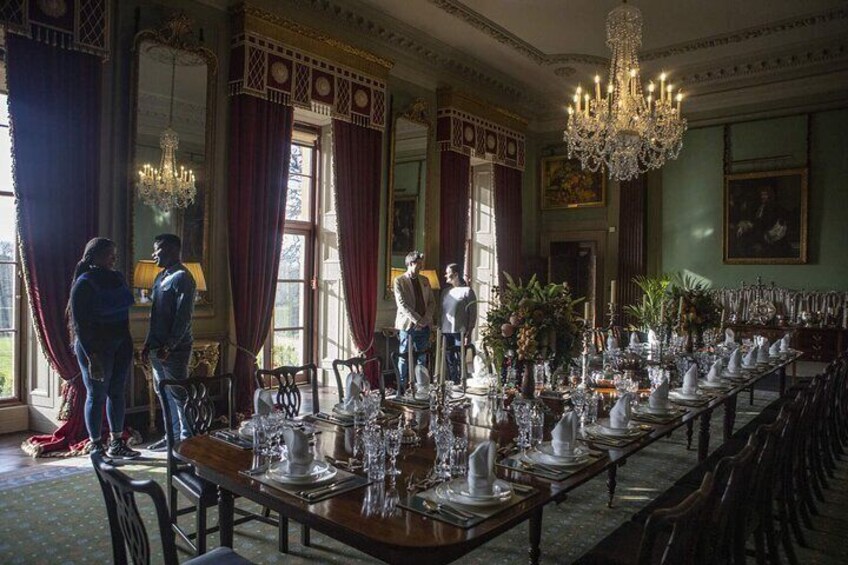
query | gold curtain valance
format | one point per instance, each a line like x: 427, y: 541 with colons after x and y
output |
x: 281, y: 61
x: 80, y: 25
x: 472, y: 127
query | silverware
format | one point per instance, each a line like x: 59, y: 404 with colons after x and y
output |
x: 532, y: 466
x: 437, y: 508
x: 257, y: 470
x: 326, y: 489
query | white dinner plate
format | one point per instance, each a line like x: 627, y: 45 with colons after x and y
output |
x: 685, y: 395
x: 654, y: 411
x: 710, y: 384
x: 457, y: 491
x: 546, y: 455
x: 319, y: 471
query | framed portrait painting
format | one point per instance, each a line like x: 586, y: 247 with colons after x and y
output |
x: 403, y: 225
x: 765, y: 217
x: 566, y: 185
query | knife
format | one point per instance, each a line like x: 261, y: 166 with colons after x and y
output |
x: 321, y: 491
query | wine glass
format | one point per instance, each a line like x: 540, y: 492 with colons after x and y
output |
x: 393, y: 442
x: 444, y: 442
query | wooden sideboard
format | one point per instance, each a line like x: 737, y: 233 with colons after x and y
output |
x: 203, y: 362
x: 818, y: 344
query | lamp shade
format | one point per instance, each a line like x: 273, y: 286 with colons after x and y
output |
x: 431, y: 275
x: 197, y: 272
x: 144, y: 274
x: 146, y: 270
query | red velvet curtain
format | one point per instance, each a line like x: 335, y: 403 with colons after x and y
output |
x: 54, y: 102
x: 508, y: 221
x: 260, y: 147
x: 357, y: 156
x: 453, y: 223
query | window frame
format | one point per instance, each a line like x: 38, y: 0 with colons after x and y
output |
x: 308, y: 229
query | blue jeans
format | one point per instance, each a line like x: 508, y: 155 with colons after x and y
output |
x: 115, y: 359
x: 420, y: 341
x: 174, y: 367
x: 452, y: 357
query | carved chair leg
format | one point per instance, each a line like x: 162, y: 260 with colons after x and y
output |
x: 200, y: 525
x: 704, y: 435
x: 535, y: 533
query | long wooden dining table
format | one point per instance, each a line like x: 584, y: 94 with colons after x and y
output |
x: 408, y: 536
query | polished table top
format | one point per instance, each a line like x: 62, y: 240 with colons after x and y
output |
x: 407, y: 534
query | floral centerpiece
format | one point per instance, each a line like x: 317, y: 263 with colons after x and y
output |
x: 531, y: 322
x: 691, y: 309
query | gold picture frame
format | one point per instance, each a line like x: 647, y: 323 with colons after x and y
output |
x: 565, y: 184
x: 765, y: 217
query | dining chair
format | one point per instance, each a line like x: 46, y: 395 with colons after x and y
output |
x: 357, y: 365
x: 198, y: 404
x: 289, y: 398
x: 127, y: 528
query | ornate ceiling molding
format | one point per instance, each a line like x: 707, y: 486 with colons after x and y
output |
x: 771, y: 63
x: 459, y: 10
x: 401, y: 37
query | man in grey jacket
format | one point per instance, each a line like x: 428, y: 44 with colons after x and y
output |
x: 169, y: 340
x: 415, y: 309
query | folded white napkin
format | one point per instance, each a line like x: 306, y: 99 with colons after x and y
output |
x: 634, y: 339
x: 612, y: 343
x: 734, y: 364
x: 751, y: 358
x: 353, y: 390
x: 422, y: 377
x: 564, y: 434
x: 481, y: 469
x: 264, y: 401
x: 299, y: 454
x: 763, y: 351
x: 690, y: 380
x: 729, y: 337
x: 659, y: 397
x: 652, y: 338
x: 714, y: 376
x: 784, y: 344
x: 774, y: 350
x: 620, y: 413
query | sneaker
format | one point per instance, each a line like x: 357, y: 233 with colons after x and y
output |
x: 158, y: 446
x: 96, y: 447
x: 119, y: 450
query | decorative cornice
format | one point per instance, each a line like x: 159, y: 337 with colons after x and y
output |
x: 746, y: 34
x: 293, y: 33
x: 447, y: 97
x: 398, y: 38
x: 809, y: 55
x: 501, y: 35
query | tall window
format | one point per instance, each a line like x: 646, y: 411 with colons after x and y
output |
x: 291, y: 341
x: 9, y: 267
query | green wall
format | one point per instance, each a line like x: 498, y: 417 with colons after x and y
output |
x: 692, y: 196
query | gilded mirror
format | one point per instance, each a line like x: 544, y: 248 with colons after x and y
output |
x: 173, y: 107
x: 407, y: 186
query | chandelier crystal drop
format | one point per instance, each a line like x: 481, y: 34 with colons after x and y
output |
x: 169, y: 186
x: 624, y: 131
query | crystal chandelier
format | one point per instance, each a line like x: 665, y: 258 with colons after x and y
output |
x: 167, y: 187
x: 625, y: 131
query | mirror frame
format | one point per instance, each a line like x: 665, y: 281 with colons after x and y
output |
x: 176, y: 33
x: 417, y: 112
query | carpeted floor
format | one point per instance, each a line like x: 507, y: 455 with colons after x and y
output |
x: 70, y: 497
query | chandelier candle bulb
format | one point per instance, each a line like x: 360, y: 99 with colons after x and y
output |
x: 679, y: 100
x: 586, y: 107
x: 662, y: 86
x: 598, y: 88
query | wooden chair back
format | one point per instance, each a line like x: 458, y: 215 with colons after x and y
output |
x: 125, y: 523
x: 356, y: 365
x: 289, y: 398
x: 679, y: 528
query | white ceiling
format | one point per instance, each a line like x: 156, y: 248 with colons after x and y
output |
x: 731, y: 57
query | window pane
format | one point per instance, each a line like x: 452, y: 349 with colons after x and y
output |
x: 7, y: 364
x: 288, y: 348
x: 292, y: 257
x: 301, y: 160
x: 7, y: 227
x: 289, y: 308
x: 7, y: 296
x: 297, y: 200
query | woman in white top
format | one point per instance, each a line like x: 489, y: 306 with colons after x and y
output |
x: 459, y: 315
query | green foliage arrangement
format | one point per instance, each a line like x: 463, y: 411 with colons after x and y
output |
x: 648, y: 313
x: 535, y: 321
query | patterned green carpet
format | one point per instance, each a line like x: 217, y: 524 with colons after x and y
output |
x: 63, y: 520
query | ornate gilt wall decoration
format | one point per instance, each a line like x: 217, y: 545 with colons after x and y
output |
x: 461, y: 131
x: 81, y: 25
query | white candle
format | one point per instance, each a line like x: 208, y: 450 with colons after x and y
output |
x: 410, y: 373
x: 586, y: 312
x: 462, y: 367
x: 597, y: 88
x: 612, y: 291
x: 438, y: 361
